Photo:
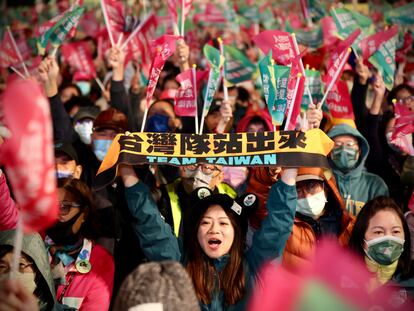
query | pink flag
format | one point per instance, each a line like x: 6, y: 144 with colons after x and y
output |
x: 185, y: 98
x: 404, y: 126
x: 371, y: 44
x: 172, y: 10
x: 337, y: 61
x: 8, y: 54
x: 162, y: 48
x: 140, y: 45
x: 89, y: 24
x: 79, y: 58
x: 116, y: 17
x: 28, y: 153
x: 339, y: 102
x: 280, y: 42
x: 329, y: 31
x: 296, y: 87
x: 212, y: 14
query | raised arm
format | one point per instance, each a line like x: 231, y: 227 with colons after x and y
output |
x: 155, y: 235
x: 270, y: 240
x: 359, y: 94
x: 48, y: 71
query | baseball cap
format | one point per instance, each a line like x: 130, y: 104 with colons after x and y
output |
x: 66, y: 148
x: 90, y: 112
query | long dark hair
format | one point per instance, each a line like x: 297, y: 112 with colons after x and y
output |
x: 90, y: 229
x: 202, y: 271
x: 369, y: 210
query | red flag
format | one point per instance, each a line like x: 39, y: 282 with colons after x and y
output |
x: 371, y: 44
x: 8, y: 54
x: 339, y: 102
x: 116, y: 17
x: 172, y: 10
x: 140, y: 45
x: 79, y: 58
x: 185, y: 98
x: 339, y: 57
x: 28, y: 154
x: 404, y: 126
x: 329, y: 31
x: 280, y: 42
x: 296, y: 87
x: 212, y: 14
x: 163, y: 48
x: 89, y: 24
x: 401, y: 54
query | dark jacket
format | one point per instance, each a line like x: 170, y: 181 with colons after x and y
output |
x: 159, y: 243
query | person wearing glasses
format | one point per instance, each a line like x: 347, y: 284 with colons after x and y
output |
x: 347, y: 159
x: 82, y: 269
x: 173, y: 200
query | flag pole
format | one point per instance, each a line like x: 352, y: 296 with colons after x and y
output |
x: 182, y: 17
x: 335, y: 77
x: 204, y: 104
x: 108, y: 27
x: 17, y: 246
x: 292, y: 103
x: 100, y: 84
x: 302, y: 68
x: 120, y: 39
x: 17, y: 72
x: 17, y: 51
x: 223, y: 73
x: 194, y: 73
x: 133, y: 33
x: 144, y: 119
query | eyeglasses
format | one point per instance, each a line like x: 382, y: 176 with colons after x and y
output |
x: 310, y: 186
x: 406, y: 100
x: 5, y: 268
x: 65, y: 206
x: 205, y: 168
x: 349, y: 143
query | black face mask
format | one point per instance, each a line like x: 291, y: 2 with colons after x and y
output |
x: 61, y: 233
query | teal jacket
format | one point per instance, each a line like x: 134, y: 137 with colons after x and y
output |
x: 34, y: 247
x: 357, y: 186
x: 159, y: 242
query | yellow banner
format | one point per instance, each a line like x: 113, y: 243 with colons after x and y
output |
x: 284, y: 148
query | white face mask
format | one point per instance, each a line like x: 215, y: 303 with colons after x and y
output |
x: 199, y: 179
x: 312, y: 205
x: 84, y: 129
x: 26, y: 279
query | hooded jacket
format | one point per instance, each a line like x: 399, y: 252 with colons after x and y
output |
x: 34, y: 247
x: 357, y: 186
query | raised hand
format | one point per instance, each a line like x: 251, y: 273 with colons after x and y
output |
x: 182, y: 53
x: 314, y: 116
x: 116, y: 60
x: 362, y: 71
x: 48, y: 73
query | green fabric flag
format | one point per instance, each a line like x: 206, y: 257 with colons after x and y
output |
x: 317, y: 296
x: 267, y: 73
x: 314, y: 83
x: 58, y: 32
x: 347, y: 21
x: 311, y: 38
x: 238, y: 67
x: 250, y: 12
x: 281, y: 81
x: 317, y: 10
x: 215, y: 60
x: 404, y: 15
x: 384, y: 61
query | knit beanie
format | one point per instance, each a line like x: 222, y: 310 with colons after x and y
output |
x: 164, y: 283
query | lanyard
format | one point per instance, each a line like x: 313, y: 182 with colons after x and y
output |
x: 62, y: 294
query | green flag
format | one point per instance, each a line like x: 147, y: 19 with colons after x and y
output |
x: 314, y: 83
x: 347, y: 21
x: 58, y: 32
x: 317, y: 10
x: 384, y: 61
x: 281, y: 82
x: 216, y: 60
x: 267, y: 73
x: 238, y: 67
x: 312, y: 38
x: 250, y: 12
x: 403, y: 15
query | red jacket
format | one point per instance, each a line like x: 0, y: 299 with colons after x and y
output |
x: 8, y: 210
x: 91, y: 290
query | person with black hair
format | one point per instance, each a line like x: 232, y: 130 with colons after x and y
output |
x: 214, y: 247
x: 381, y: 238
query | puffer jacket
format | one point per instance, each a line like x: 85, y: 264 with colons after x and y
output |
x: 159, y: 242
x: 356, y: 186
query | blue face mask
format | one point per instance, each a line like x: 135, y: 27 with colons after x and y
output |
x: 64, y: 174
x: 158, y: 123
x: 100, y: 148
x: 84, y: 86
